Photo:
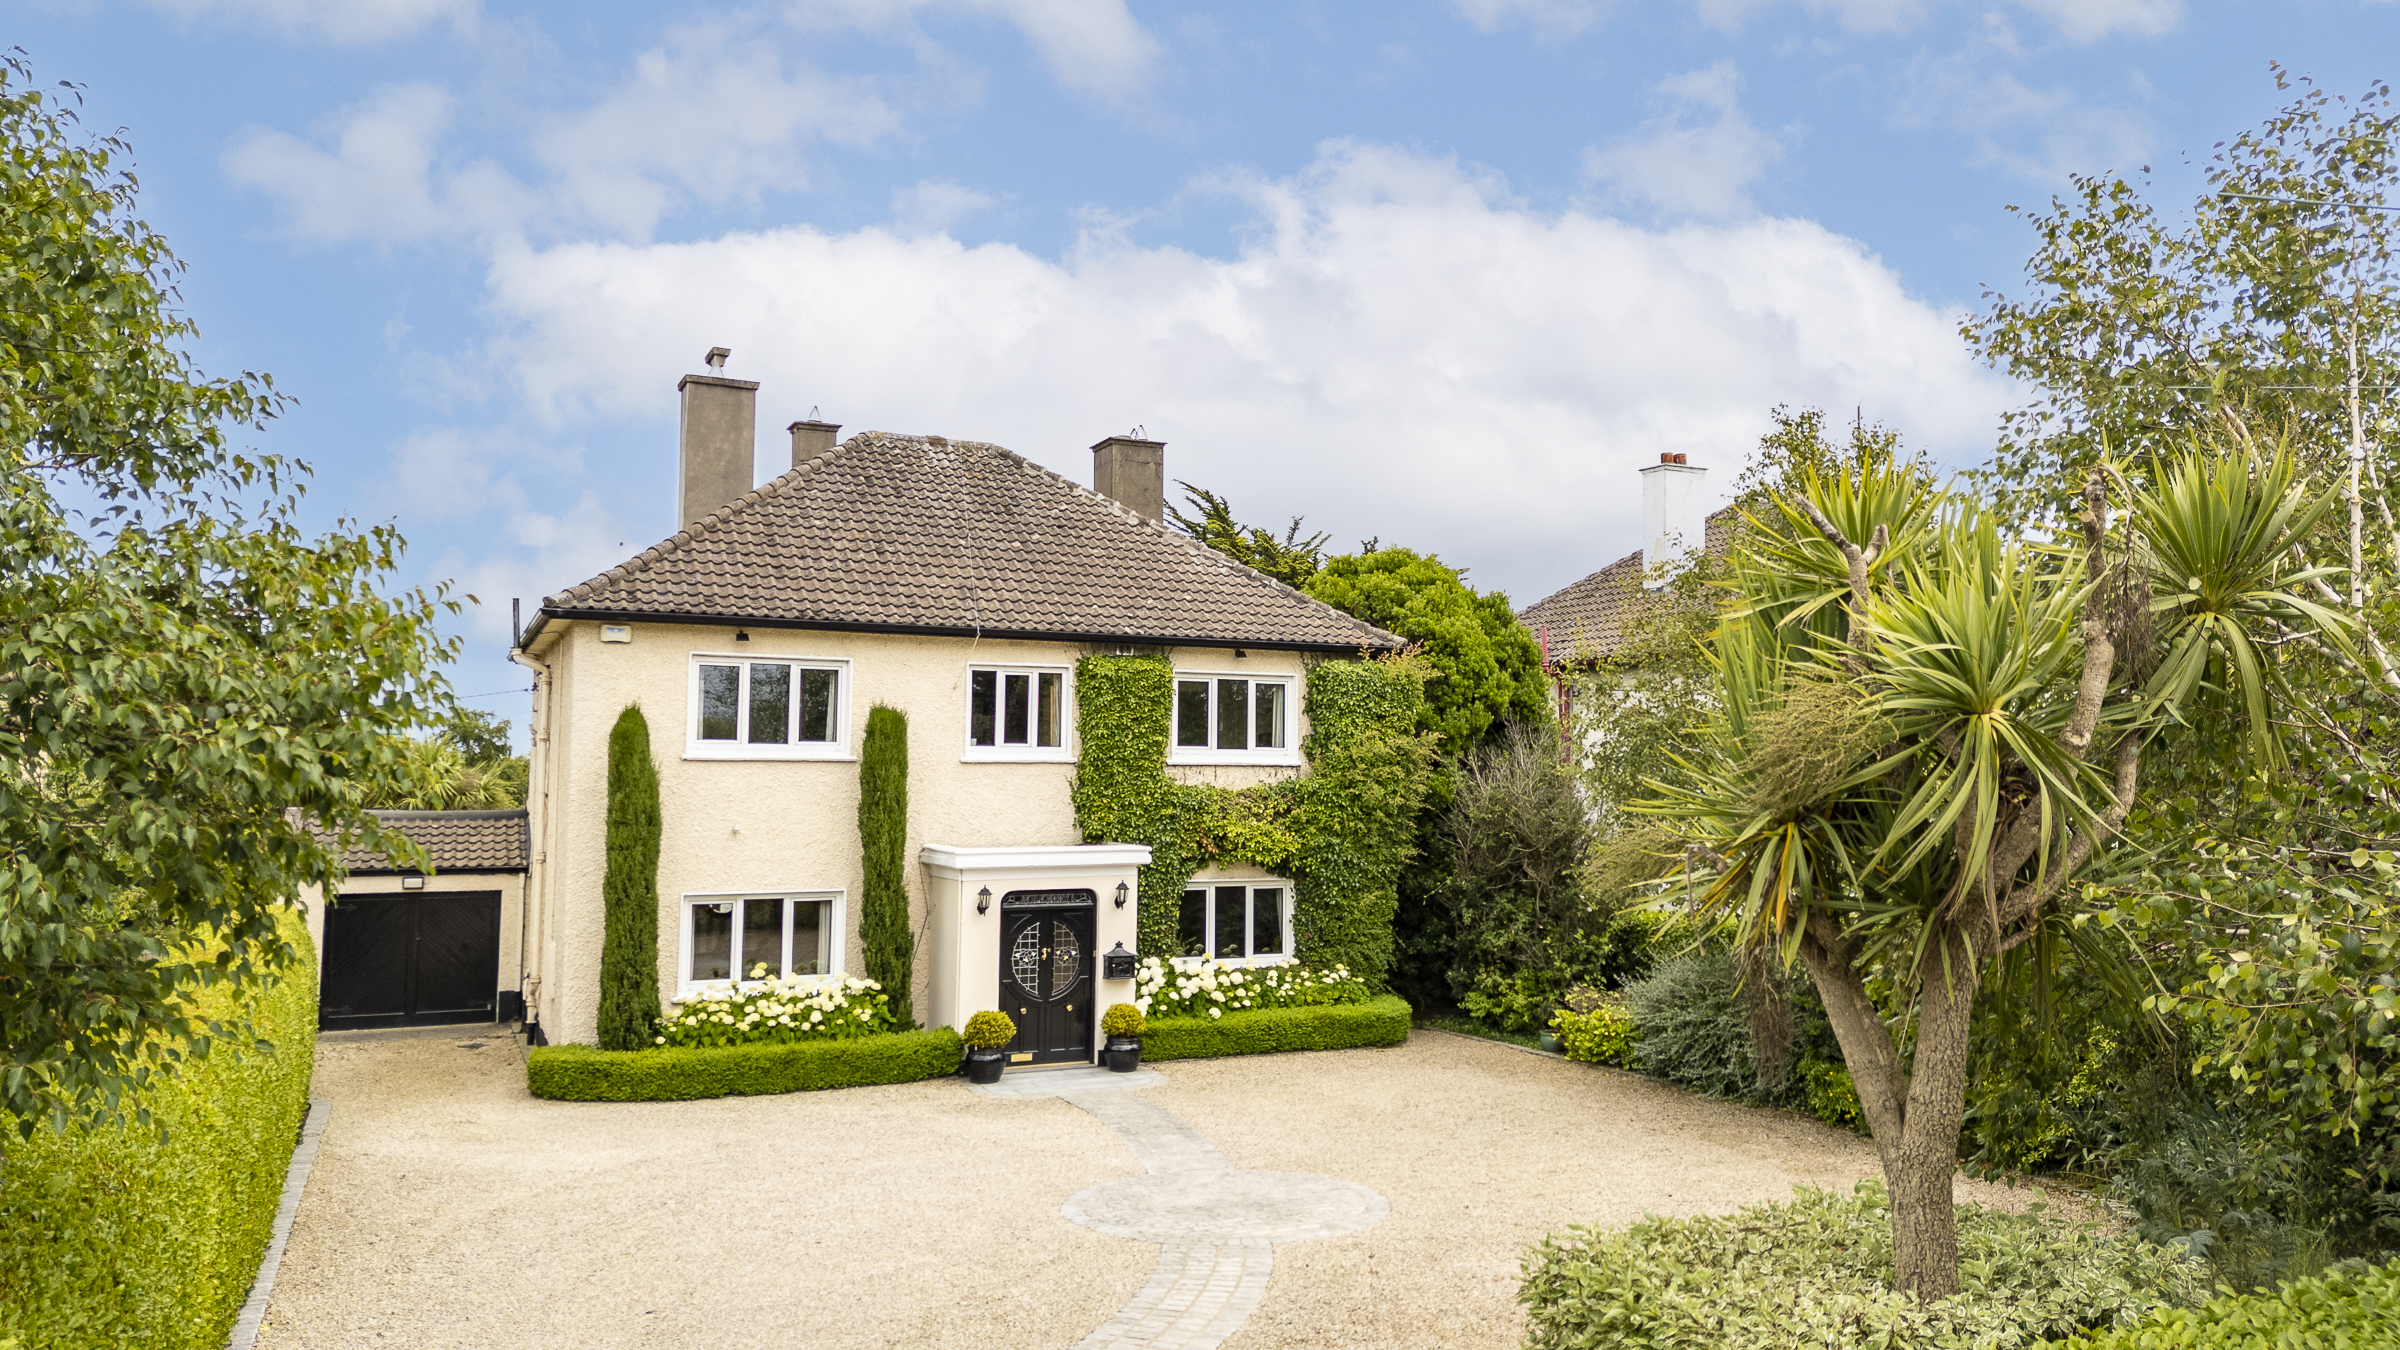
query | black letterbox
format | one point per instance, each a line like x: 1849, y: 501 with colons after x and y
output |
x: 1117, y: 963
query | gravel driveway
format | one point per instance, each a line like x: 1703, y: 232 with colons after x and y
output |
x: 450, y: 1209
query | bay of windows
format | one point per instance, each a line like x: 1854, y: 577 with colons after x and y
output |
x: 1016, y: 713
x: 731, y: 937
x: 767, y: 709
x: 1236, y: 921
x: 1231, y: 718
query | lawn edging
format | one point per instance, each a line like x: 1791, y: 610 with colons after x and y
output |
x: 582, y: 1073
x: 1257, y: 1031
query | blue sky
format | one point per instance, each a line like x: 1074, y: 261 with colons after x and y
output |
x: 1445, y: 272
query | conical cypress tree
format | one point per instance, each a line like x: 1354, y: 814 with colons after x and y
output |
x: 883, y: 840
x: 629, y: 890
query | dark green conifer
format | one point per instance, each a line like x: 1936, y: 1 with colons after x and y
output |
x: 883, y: 841
x: 629, y: 890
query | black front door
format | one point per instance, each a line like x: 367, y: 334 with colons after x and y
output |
x: 1046, y: 975
x: 413, y: 959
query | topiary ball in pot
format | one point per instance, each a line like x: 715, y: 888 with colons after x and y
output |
x: 987, y: 1034
x: 1123, y: 1025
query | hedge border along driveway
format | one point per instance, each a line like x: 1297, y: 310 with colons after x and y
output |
x: 580, y: 1073
x: 110, y: 1238
x: 1258, y: 1031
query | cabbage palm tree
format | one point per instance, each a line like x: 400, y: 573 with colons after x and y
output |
x: 1927, y: 729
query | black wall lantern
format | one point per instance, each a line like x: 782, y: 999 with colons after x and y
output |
x: 983, y: 901
x: 1116, y: 964
x: 1120, y: 895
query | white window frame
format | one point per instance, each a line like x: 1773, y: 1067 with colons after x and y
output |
x: 1286, y: 754
x: 1061, y: 753
x: 837, y: 943
x: 1250, y: 885
x: 740, y: 748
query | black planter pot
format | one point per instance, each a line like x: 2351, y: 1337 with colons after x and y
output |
x: 984, y: 1066
x: 1123, y: 1054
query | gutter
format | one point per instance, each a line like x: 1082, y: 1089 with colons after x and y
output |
x: 542, y: 617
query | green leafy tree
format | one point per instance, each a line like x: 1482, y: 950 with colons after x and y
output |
x: 1926, y: 730
x: 629, y: 889
x: 185, y: 678
x: 2274, y: 301
x: 1291, y: 558
x: 883, y: 843
x: 1488, y: 668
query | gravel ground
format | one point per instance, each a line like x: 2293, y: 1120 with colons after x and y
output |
x: 1481, y: 1150
x: 450, y: 1209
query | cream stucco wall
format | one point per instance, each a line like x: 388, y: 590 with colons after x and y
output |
x: 783, y: 825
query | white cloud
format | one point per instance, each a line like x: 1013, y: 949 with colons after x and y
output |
x: 1091, y: 46
x: 2079, y: 20
x: 334, y: 20
x: 934, y: 205
x: 1859, y: 16
x: 1402, y: 350
x: 2083, y: 20
x: 2038, y: 134
x: 1547, y: 18
x: 1700, y: 158
x: 377, y: 181
x: 714, y: 115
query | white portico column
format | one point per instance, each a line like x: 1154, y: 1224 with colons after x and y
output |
x: 964, y: 932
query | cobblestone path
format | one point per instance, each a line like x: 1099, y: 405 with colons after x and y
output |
x: 1216, y: 1225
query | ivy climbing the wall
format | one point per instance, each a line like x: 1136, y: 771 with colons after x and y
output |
x: 1342, y: 831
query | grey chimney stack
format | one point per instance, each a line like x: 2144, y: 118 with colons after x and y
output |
x: 811, y: 439
x: 719, y: 440
x: 1674, y: 514
x: 1134, y: 472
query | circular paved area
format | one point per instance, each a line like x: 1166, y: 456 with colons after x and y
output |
x: 449, y: 1209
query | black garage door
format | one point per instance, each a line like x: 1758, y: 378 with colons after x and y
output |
x: 410, y: 960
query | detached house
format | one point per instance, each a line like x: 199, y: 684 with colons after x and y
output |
x: 959, y: 583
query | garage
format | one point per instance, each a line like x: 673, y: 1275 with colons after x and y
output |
x: 403, y: 948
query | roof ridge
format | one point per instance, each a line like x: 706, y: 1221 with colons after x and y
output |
x: 1203, y: 551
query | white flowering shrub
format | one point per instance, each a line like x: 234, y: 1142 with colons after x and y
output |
x: 1204, y: 988
x: 784, y: 1011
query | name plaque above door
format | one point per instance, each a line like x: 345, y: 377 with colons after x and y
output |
x: 1049, y: 900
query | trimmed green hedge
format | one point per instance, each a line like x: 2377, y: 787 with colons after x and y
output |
x: 579, y: 1073
x: 110, y: 1238
x: 1378, y: 1021
x: 2339, y: 1310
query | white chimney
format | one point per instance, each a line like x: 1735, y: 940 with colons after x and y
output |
x: 1674, y: 515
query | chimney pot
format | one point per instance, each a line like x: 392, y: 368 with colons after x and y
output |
x: 812, y: 438
x: 718, y: 441
x: 1674, y: 514
x: 1133, y: 471
x: 718, y: 356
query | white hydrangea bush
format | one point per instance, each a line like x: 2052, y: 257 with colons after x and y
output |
x: 1205, y: 987
x: 785, y: 1011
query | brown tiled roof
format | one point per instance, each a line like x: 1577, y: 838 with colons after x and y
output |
x: 1584, y: 621
x: 460, y: 841
x: 920, y: 534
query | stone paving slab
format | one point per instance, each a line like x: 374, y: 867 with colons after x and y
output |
x: 1061, y: 1082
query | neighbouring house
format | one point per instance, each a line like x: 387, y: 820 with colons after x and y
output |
x: 402, y: 947
x: 1584, y: 623
x: 959, y: 583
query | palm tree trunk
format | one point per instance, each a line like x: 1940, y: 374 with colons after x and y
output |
x: 1914, y: 1117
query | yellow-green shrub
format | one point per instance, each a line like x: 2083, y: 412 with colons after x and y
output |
x: 110, y: 1238
x: 1605, y: 1035
x: 2339, y: 1310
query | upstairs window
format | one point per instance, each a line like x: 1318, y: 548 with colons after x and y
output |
x: 1232, y: 719
x: 1237, y: 922
x: 1016, y: 712
x: 767, y: 708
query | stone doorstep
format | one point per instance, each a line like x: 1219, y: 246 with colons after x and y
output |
x: 1061, y: 1080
